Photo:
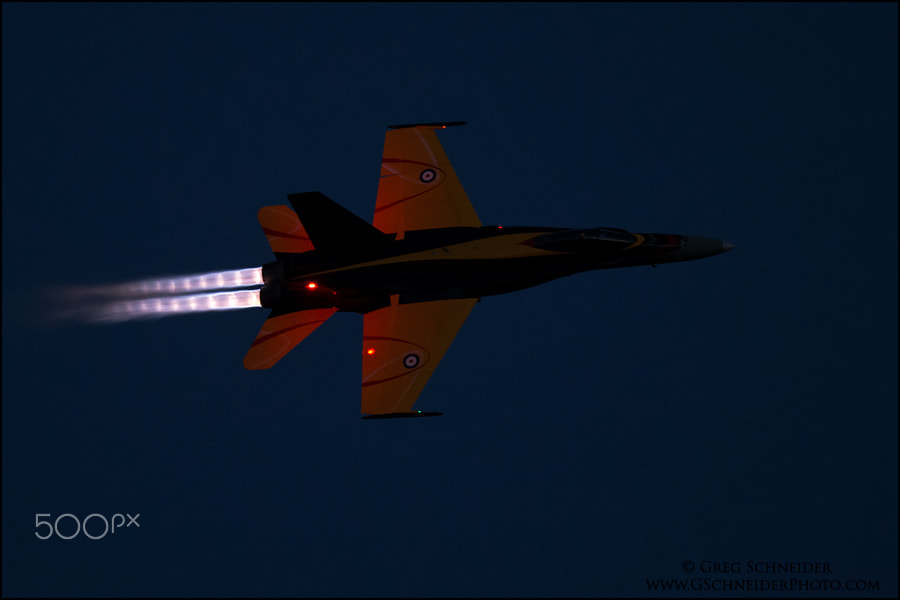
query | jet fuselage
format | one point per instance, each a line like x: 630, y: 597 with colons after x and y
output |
x: 462, y: 262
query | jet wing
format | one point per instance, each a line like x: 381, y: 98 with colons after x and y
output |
x: 419, y: 188
x: 402, y: 346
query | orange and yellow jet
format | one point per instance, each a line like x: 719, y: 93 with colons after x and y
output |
x: 419, y: 268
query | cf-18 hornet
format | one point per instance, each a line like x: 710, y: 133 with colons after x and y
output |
x: 417, y: 270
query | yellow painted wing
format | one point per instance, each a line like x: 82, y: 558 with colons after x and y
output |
x: 402, y: 346
x: 419, y: 188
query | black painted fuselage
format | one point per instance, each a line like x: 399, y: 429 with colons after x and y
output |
x: 462, y: 262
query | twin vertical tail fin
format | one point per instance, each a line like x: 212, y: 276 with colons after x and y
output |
x: 315, y: 223
x: 280, y: 334
x: 334, y: 230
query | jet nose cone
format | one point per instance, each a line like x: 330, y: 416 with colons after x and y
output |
x: 695, y: 246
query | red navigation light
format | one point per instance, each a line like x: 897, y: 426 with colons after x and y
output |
x: 311, y: 285
x: 370, y: 351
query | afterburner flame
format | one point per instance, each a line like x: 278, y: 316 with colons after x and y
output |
x: 148, y: 308
x: 161, y: 297
x: 221, y: 280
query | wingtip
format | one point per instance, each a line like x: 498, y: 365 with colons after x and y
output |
x: 440, y: 125
x: 403, y: 415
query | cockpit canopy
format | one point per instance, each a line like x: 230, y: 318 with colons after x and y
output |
x: 579, y: 240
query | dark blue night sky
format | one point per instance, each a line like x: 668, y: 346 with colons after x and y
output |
x: 598, y: 431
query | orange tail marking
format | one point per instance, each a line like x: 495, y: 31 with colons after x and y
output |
x: 280, y: 334
x: 284, y: 230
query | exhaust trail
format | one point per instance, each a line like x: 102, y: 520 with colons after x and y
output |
x: 192, y: 283
x: 161, y: 297
x: 217, y: 280
x: 165, y: 306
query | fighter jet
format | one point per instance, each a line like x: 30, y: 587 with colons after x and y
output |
x: 420, y: 267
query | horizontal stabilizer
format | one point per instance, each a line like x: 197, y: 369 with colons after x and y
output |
x: 284, y: 230
x: 402, y: 415
x: 432, y: 125
x: 333, y: 229
x: 280, y: 334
